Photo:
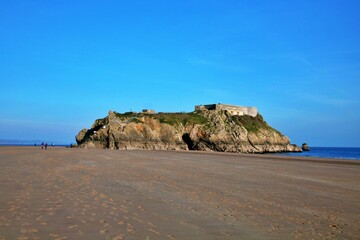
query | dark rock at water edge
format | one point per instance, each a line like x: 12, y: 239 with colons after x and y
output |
x: 305, y: 147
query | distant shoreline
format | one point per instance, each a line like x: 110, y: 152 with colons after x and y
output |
x: 29, y: 145
x: 275, y: 156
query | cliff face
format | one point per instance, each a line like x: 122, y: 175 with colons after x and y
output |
x: 214, y: 130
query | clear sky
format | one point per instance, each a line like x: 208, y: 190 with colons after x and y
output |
x: 64, y: 64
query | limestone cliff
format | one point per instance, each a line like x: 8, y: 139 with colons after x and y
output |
x: 207, y: 130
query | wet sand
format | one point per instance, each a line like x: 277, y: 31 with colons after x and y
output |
x: 63, y: 193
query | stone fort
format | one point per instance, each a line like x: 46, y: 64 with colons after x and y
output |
x: 232, y: 109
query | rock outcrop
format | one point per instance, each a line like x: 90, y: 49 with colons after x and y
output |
x: 207, y: 130
x: 305, y: 147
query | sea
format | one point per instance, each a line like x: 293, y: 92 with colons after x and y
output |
x: 349, y: 153
x: 11, y: 142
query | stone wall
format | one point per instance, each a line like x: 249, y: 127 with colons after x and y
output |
x: 149, y: 111
x: 234, y: 110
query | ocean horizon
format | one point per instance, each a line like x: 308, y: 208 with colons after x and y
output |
x: 19, y: 142
x: 349, y: 153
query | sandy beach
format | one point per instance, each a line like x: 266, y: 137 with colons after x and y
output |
x: 63, y: 193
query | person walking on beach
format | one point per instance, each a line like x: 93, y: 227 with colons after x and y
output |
x: 46, y: 145
x: 42, y: 145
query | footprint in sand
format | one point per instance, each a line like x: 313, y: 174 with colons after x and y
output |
x: 72, y: 226
x: 154, y: 231
x: 29, y: 230
x: 119, y: 237
x: 13, y: 208
x: 130, y: 228
x: 23, y: 238
x: 105, y: 205
x: 102, y: 196
x: 151, y: 224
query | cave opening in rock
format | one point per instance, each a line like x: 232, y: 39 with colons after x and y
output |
x: 186, y: 138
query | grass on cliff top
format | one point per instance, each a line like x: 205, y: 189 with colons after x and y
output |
x: 253, y: 124
x: 126, y: 114
x: 183, y: 118
x: 169, y: 118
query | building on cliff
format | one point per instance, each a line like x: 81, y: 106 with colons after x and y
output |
x: 232, y: 109
x: 149, y: 111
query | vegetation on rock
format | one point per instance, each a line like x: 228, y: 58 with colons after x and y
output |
x: 253, y: 124
x: 180, y: 118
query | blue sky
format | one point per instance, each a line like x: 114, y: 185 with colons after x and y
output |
x: 64, y: 64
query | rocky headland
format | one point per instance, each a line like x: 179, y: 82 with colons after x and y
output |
x: 205, y: 130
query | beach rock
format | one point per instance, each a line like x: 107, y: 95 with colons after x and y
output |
x: 305, y: 147
x: 215, y: 130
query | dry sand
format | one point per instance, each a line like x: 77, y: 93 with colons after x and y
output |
x: 63, y: 193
